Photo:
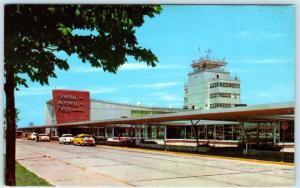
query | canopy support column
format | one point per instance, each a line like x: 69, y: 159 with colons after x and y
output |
x: 274, y: 132
x: 257, y: 133
x: 195, y: 132
x: 131, y: 133
x: 244, y: 137
x: 165, y: 137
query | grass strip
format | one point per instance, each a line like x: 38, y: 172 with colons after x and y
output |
x: 26, y: 178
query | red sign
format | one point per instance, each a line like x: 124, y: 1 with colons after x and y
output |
x: 71, y: 106
x: 285, y: 126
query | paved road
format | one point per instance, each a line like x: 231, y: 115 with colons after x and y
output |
x: 65, y: 165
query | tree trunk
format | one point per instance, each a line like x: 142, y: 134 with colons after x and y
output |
x: 10, y: 177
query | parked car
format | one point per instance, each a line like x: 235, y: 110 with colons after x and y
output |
x: 32, y: 136
x: 43, y: 138
x: 66, y: 139
x: 83, y: 140
x: 19, y: 134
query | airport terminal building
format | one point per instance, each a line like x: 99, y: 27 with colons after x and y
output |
x: 69, y: 106
x: 209, y: 96
x: 75, y: 106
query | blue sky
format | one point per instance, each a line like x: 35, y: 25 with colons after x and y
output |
x: 257, y: 42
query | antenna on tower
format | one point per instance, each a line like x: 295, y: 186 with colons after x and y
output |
x: 199, y: 53
x: 208, y: 51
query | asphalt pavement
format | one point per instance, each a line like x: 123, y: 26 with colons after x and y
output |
x: 68, y: 165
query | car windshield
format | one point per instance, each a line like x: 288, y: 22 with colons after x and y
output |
x: 68, y: 135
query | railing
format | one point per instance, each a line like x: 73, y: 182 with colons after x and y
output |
x: 209, y: 59
x: 231, y: 78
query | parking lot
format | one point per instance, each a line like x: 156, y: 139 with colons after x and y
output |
x: 65, y: 165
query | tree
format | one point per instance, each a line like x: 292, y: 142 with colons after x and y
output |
x: 31, y: 124
x: 4, y: 122
x: 17, y: 116
x: 34, y: 33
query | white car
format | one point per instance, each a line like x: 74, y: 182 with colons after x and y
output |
x: 32, y: 136
x: 43, y: 138
x: 66, y: 138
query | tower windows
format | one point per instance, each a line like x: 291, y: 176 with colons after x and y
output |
x: 220, y: 105
x: 224, y: 84
x: 224, y: 95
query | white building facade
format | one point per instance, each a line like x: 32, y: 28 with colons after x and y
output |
x: 211, y: 86
x: 102, y: 110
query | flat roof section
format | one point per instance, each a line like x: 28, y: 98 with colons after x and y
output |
x: 50, y: 102
x: 208, y: 64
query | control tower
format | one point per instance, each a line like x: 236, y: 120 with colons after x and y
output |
x: 211, y: 86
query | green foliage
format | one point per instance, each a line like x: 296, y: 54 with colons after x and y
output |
x: 26, y: 178
x: 34, y: 32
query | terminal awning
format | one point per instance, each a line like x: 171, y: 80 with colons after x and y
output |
x: 269, y: 112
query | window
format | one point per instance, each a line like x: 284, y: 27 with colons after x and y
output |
x: 223, y: 95
x: 224, y: 84
x: 220, y: 105
x: 185, y: 90
x: 236, y: 96
x: 213, y: 85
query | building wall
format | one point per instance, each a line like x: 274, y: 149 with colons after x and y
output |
x: 100, y: 110
x: 49, y: 114
x: 196, y: 94
x: 142, y: 113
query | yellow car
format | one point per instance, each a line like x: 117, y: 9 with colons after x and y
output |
x: 83, y: 140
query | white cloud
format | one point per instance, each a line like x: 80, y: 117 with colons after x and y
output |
x: 155, y: 85
x: 283, y: 94
x: 259, y: 35
x: 273, y: 61
x: 43, y: 90
x: 142, y: 66
x: 165, y: 96
x: 85, y: 69
x: 47, y: 90
x: 245, y: 34
x: 135, y: 66
x: 261, y: 61
x: 128, y: 67
x: 239, y: 70
x: 100, y: 90
x: 276, y: 35
x: 263, y: 94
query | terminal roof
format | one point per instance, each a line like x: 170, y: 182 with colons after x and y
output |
x: 267, y: 112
